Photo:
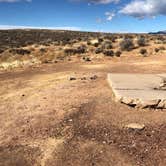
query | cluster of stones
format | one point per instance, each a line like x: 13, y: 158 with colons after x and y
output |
x: 155, y: 104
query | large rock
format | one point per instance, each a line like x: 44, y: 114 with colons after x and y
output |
x: 135, y: 126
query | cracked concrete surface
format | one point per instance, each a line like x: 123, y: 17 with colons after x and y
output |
x: 141, y: 90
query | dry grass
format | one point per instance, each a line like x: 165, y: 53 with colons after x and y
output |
x: 51, y: 49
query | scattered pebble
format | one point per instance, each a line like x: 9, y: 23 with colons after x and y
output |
x: 70, y: 120
x: 104, y: 142
x: 72, y: 78
x: 87, y: 59
x: 135, y: 126
x: 101, y: 151
x: 94, y: 77
x: 83, y: 78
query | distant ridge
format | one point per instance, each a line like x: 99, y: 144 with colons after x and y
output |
x: 158, y: 33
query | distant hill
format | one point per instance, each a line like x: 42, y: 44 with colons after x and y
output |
x: 159, y: 32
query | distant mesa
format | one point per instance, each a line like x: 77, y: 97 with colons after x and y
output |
x: 158, y: 33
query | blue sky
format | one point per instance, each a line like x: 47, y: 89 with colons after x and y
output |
x: 86, y: 15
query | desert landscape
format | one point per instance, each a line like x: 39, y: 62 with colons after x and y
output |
x: 57, y: 107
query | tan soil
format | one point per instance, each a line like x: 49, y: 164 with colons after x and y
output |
x: 46, y: 119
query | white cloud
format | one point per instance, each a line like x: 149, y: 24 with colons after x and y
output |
x: 103, y: 1
x: 98, y: 1
x: 145, y: 8
x: 5, y: 27
x: 110, y: 15
x: 10, y: 1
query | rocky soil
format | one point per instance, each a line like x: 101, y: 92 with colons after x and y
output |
x: 65, y: 114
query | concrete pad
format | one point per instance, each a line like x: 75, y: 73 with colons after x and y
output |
x: 138, y: 89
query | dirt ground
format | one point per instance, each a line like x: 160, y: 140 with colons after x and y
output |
x: 47, y: 119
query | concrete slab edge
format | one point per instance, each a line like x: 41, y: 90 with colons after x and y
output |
x: 155, y: 104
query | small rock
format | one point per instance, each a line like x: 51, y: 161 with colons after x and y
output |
x: 22, y: 130
x: 104, y: 142
x: 135, y: 126
x: 83, y: 78
x: 72, y: 78
x: 150, y: 104
x: 128, y: 101
x: 86, y: 59
x: 94, y: 77
x: 109, y: 53
x: 98, y: 50
x: 162, y: 105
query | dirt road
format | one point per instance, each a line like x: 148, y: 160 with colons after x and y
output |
x: 65, y: 115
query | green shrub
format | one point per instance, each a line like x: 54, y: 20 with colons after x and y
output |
x: 143, y: 51
x: 1, y: 51
x: 107, y: 45
x: 98, y: 50
x: 118, y: 53
x: 109, y: 53
x: 72, y: 51
x: 127, y: 45
x: 19, y: 51
x: 157, y: 50
x: 162, y: 48
x: 141, y: 41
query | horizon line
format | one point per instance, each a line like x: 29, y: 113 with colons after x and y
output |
x: 67, y: 28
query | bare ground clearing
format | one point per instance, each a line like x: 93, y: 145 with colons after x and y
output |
x: 48, y: 119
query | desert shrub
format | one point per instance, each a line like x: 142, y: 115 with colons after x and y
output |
x: 141, y: 41
x: 127, y: 45
x: 100, y: 40
x: 69, y: 51
x: 88, y: 43
x: 128, y: 36
x: 160, y: 37
x: 20, y: 51
x: 1, y: 51
x: 98, y: 50
x: 107, y: 45
x: 107, y: 37
x: 73, y: 41
x: 143, y: 51
x: 43, y: 50
x: 162, y: 48
x: 96, y: 44
x: 112, y: 38
x: 65, y: 42
x: 156, y: 50
x: 78, y: 50
x: 79, y: 39
x: 109, y: 53
x: 118, y: 53
x: 86, y: 59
